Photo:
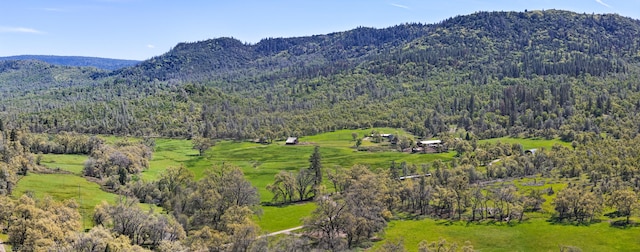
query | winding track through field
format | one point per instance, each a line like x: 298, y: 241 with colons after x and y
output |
x: 1, y: 246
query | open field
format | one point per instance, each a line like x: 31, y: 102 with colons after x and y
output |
x: 275, y: 218
x: 261, y: 162
x: 172, y: 153
x: 68, y: 162
x: 532, y: 235
x: 68, y: 186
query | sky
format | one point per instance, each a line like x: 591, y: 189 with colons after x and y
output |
x: 141, y: 29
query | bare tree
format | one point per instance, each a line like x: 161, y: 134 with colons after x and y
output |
x: 283, y: 187
x: 304, y: 183
x: 328, y: 221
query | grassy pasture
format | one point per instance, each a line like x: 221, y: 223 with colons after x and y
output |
x: 172, y: 153
x: 261, y: 162
x: 69, y: 186
x: 275, y: 218
x: 68, y: 162
x: 63, y: 187
x: 531, y: 235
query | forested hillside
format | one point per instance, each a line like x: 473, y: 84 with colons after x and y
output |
x: 543, y: 73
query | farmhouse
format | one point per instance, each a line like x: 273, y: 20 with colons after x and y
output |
x: 389, y: 136
x: 430, y: 143
x: 291, y: 141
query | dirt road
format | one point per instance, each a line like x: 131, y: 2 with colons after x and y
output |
x: 286, y: 231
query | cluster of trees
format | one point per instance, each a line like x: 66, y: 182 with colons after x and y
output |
x: 215, y: 212
x: 142, y: 228
x: 61, y: 143
x: 357, y: 213
x: 583, y: 205
x: 38, y: 225
x: 48, y: 225
x: 453, y: 189
x: 114, y: 165
x: 424, y: 246
x: 441, y: 191
x: 15, y: 159
x: 288, y: 187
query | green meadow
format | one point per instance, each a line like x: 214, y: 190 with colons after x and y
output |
x: 67, y: 162
x: 261, y: 162
x: 172, y: 153
x: 68, y: 186
x: 531, y: 235
x: 276, y: 218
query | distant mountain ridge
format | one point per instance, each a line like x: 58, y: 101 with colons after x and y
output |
x: 551, y: 41
x: 534, y: 73
x: 78, y: 61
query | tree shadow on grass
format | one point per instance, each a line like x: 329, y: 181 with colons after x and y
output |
x: 496, y: 223
x: 285, y: 204
x: 489, y: 222
x: 444, y: 222
x: 623, y: 224
x: 569, y: 222
x: 613, y: 215
x: 193, y: 161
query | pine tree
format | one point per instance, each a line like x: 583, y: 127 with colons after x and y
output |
x: 316, y: 166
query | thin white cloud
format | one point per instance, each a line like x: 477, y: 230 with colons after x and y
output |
x: 5, y: 29
x: 400, y: 6
x: 603, y: 3
x: 54, y: 9
x: 150, y: 46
